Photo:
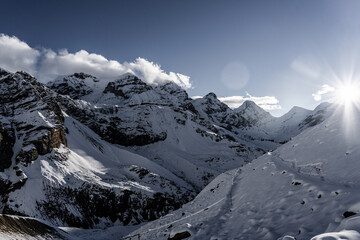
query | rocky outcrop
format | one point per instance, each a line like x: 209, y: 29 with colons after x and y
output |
x: 127, y: 86
x: 93, y: 203
x: 116, y: 123
x: 7, y: 141
x: 319, y: 114
x: 16, y: 227
x: 32, y: 114
x: 111, y: 125
x: 175, y: 91
x: 74, y: 85
x: 211, y: 105
x: 252, y: 114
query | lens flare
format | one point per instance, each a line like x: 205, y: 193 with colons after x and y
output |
x: 348, y: 94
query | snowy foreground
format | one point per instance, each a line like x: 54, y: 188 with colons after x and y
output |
x: 306, y: 187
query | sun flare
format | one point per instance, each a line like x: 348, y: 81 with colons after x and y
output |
x: 348, y: 93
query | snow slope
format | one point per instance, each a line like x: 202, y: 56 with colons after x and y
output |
x: 91, y: 164
x: 16, y: 227
x: 305, y: 187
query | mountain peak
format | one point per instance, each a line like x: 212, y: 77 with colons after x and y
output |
x: 174, y: 90
x: 254, y: 114
x: 129, y: 79
x: 3, y: 71
x: 126, y: 76
x: 74, y: 85
x: 248, y: 104
x: 170, y: 85
x: 297, y: 108
x: 82, y: 76
x: 211, y: 95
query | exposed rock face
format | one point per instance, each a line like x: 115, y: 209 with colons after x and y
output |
x: 112, y: 125
x: 176, y: 91
x: 73, y: 85
x: 31, y: 124
x: 15, y: 227
x: 7, y: 141
x: 252, y: 114
x: 212, y: 106
x: 93, y: 203
x: 317, y: 116
x: 127, y: 86
x: 28, y: 108
x: 126, y: 124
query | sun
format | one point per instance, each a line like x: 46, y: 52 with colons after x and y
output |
x: 348, y: 93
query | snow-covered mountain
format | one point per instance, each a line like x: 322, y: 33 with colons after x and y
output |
x: 159, y: 122
x: 88, y: 152
x: 305, y: 187
x: 57, y: 169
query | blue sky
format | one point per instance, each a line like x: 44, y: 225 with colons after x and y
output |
x: 268, y: 51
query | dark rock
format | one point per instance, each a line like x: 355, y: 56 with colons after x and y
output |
x: 127, y: 86
x: 7, y: 141
x: 348, y: 214
x: 21, y: 93
x: 93, y: 202
x: 189, y: 106
x: 181, y: 235
x: 73, y: 85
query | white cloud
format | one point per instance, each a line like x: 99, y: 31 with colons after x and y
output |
x: 63, y: 62
x: 267, y: 102
x: 47, y: 64
x: 323, y: 90
x: 153, y: 73
x: 196, y: 97
x: 16, y: 55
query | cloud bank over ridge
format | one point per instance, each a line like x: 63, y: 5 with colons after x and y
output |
x: 17, y: 55
x: 46, y: 64
x: 266, y: 102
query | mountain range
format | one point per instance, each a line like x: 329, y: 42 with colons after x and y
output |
x: 88, y: 153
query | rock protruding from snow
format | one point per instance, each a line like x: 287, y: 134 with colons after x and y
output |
x: 17, y: 227
x: 29, y: 109
x: 127, y: 86
x: 175, y: 92
x: 75, y: 85
x: 3, y: 72
x: 7, y: 141
x: 252, y: 113
x: 320, y: 113
x: 210, y: 107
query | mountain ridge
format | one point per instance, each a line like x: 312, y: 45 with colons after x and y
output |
x: 104, y: 144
